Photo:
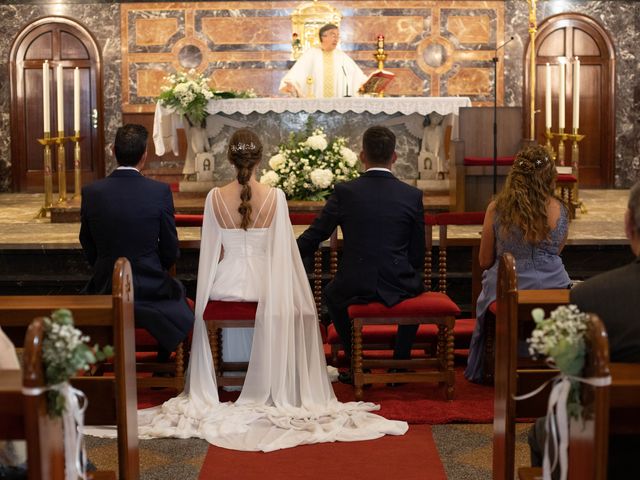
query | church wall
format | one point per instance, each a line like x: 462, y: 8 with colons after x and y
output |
x: 248, y: 46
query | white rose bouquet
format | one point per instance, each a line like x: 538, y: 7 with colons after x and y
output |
x: 188, y: 93
x: 308, y: 165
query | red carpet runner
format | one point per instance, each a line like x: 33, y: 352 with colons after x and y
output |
x: 412, y: 456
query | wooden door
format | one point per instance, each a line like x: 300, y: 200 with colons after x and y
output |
x: 60, y: 41
x: 566, y: 36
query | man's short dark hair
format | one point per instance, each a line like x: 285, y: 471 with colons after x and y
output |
x: 325, y: 28
x: 130, y: 144
x: 378, y: 144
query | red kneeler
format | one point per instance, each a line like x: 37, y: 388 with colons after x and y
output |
x: 218, y: 315
x: 431, y: 308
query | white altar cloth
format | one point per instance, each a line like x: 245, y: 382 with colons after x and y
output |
x: 167, y: 121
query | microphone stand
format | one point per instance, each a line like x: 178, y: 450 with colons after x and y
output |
x: 495, y: 116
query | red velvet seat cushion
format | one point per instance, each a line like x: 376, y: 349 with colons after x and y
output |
x: 382, y: 334
x: 217, y: 310
x: 493, y: 307
x: 428, y: 304
x: 566, y: 178
x: 430, y: 219
x: 184, y: 220
x: 302, y: 218
x: 487, y: 161
x: 460, y: 218
x: 145, y: 339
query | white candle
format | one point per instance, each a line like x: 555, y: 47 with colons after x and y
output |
x: 60, y: 99
x: 46, y: 106
x: 561, y: 100
x: 76, y: 100
x: 576, y: 94
x: 547, y: 99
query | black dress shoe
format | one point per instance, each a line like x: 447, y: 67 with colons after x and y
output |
x: 345, y: 377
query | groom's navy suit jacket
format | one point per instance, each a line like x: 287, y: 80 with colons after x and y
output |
x: 128, y: 215
x: 382, y: 222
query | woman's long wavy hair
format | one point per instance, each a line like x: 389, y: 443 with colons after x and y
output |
x: 244, y: 153
x: 523, y: 201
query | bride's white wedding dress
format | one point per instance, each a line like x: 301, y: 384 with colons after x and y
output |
x: 287, y: 399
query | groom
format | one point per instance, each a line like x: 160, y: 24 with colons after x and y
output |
x: 382, y: 223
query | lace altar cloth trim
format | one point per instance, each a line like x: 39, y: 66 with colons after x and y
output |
x: 388, y: 105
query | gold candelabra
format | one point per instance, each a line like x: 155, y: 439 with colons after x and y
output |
x: 62, y: 167
x: 47, y: 141
x: 380, y: 57
x: 575, y: 138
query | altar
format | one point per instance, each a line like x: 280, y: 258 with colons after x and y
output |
x: 274, y: 118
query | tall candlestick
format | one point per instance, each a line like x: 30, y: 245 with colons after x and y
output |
x: 380, y: 42
x: 576, y: 94
x: 547, y: 99
x: 46, y: 106
x: 76, y: 100
x: 561, y: 99
x: 60, y: 99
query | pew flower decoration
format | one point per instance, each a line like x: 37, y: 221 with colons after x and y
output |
x: 188, y: 93
x: 65, y: 352
x: 309, y: 164
x: 560, y: 339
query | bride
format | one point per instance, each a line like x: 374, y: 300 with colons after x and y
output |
x: 248, y: 253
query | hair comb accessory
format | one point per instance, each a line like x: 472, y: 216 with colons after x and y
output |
x: 242, y: 147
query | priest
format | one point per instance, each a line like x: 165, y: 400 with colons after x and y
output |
x: 324, y: 72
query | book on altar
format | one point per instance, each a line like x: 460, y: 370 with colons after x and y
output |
x: 564, y: 170
x: 377, y: 82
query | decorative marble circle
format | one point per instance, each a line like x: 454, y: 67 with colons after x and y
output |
x: 190, y: 56
x: 435, y: 55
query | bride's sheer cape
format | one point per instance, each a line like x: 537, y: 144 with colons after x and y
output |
x: 287, y: 399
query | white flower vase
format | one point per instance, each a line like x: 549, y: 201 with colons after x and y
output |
x: 197, y: 142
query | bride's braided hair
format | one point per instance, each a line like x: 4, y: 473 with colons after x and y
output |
x: 245, y: 152
x: 522, y: 203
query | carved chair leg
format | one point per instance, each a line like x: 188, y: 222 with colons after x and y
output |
x: 180, y: 365
x: 450, y: 358
x: 356, y: 356
x: 334, y: 355
x: 216, y: 353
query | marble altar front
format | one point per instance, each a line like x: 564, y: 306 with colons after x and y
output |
x: 275, y: 118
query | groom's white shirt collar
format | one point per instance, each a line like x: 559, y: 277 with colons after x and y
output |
x: 377, y: 169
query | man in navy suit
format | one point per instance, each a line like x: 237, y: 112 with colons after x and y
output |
x: 382, y: 223
x: 128, y: 215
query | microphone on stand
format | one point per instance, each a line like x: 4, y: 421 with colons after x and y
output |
x: 346, y: 81
x: 495, y: 116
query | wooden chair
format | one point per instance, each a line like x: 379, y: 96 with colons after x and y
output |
x: 429, y: 308
x: 107, y: 319
x: 464, y: 327
x: 567, y: 184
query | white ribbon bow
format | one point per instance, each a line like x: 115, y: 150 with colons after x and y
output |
x: 557, y: 421
x: 73, y: 424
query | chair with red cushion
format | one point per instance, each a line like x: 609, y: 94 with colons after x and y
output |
x: 219, y: 315
x: 431, y: 310
x: 568, y: 185
x: 382, y: 337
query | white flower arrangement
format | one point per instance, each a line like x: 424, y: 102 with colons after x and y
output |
x: 188, y: 93
x: 560, y: 340
x: 65, y: 352
x: 308, y: 165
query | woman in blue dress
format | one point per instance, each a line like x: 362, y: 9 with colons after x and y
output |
x: 529, y: 221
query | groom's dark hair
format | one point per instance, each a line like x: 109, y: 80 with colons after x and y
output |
x: 378, y: 144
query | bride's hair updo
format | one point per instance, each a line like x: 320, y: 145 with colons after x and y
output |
x: 245, y: 152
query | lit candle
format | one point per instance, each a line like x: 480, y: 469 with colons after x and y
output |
x: 547, y: 99
x: 76, y: 100
x: 60, y: 99
x: 576, y: 94
x: 561, y: 100
x: 46, y: 107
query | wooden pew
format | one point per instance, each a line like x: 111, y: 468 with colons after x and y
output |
x: 25, y: 416
x: 515, y: 376
x: 107, y: 319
